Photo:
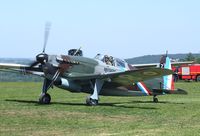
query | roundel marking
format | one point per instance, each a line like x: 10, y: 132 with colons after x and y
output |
x: 150, y: 73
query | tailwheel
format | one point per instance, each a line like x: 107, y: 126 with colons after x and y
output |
x: 45, y: 98
x: 91, y: 102
x: 155, y: 99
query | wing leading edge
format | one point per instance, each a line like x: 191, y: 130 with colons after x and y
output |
x: 20, y: 68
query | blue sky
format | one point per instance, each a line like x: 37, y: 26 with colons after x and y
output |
x: 122, y: 28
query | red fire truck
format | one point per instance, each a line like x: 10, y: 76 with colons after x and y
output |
x: 188, y: 72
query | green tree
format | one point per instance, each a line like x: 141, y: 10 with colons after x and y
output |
x: 190, y: 57
x: 197, y: 60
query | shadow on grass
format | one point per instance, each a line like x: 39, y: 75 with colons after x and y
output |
x: 122, y: 105
x: 119, y: 104
x: 161, y: 102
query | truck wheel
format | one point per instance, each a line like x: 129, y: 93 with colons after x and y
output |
x: 198, y: 78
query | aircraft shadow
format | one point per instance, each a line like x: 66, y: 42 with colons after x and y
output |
x: 121, y: 104
x: 22, y: 101
x: 160, y: 102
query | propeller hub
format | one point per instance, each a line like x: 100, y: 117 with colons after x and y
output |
x: 42, y: 58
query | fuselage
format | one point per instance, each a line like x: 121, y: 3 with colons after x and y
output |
x: 86, y: 66
x: 77, y: 66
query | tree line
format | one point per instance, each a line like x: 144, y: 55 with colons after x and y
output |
x: 191, y: 57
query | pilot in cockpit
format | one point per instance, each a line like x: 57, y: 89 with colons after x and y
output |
x: 108, y: 60
x: 111, y: 60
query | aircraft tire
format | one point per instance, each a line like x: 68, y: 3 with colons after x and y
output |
x: 45, y: 99
x: 91, y: 102
x: 155, y: 100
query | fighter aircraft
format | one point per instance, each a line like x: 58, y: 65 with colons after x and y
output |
x: 76, y: 73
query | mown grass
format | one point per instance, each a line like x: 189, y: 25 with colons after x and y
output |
x: 20, y: 114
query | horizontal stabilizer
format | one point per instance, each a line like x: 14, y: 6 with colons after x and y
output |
x: 179, y: 91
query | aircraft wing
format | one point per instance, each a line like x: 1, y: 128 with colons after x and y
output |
x: 145, y: 65
x: 181, y: 63
x: 130, y: 77
x: 20, y: 68
x: 126, y: 78
x: 11, y: 65
x: 149, y: 65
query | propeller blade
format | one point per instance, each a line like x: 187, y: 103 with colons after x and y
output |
x: 42, y: 58
x: 77, y: 51
x: 46, y: 35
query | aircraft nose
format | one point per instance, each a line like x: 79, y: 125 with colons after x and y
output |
x: 42, y: 58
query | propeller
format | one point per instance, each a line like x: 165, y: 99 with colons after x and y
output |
x: 51, y: 73
x: 46, y: 67
x: 42, y: 58
x: 46, y: 35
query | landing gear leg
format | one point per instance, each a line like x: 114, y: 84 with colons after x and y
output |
x: 155, y: 99
x: 93, y: 99
x: 45, y: 98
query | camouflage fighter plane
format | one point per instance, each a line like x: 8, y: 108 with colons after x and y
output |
x: 96, y: 76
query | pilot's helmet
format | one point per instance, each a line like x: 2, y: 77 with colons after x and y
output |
x: 106, y: 57
x: 111, y: 58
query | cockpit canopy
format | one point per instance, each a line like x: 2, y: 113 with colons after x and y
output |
x: 110, y: 60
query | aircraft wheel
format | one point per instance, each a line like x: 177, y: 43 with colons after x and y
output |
x: 45, y: 99
x: 155, y: 100
x: 91, y: 102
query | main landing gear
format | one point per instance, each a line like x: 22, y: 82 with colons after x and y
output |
x: 155, y: 99
x: 93, y: 99
x: 91, y: 102
x: 45, y: 98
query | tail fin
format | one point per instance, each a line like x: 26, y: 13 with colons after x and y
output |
x: 168, y: 82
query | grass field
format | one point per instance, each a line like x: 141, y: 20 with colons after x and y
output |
x: 20, y: 114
